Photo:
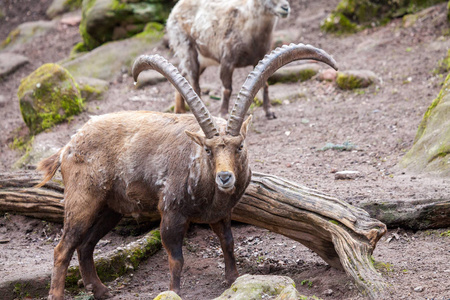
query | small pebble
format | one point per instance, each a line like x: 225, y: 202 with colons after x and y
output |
x: 418, y: 289
x: 346, y: 175
x: 328, y: 292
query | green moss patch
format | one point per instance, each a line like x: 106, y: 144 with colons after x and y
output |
x: 350, y: 80
x: 351, y: 16
x: 431, y: 149
x: 108, y: 20
x: 121, y: 261
x: 48, y: 96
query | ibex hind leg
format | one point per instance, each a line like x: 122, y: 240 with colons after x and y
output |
x: 191, y: 70
x: 267, y: 106
x: 226, y: 74
x: 77, y: 222
x: 105, y: 222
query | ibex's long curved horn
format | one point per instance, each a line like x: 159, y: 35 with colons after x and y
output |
x: 199, y: 110
x: 265, y: 68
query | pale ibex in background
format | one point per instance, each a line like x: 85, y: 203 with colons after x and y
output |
x: 187, y: 168
x: 232, y: 33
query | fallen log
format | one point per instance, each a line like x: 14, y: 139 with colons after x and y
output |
x: 342, y: 235
x: 416, y: 214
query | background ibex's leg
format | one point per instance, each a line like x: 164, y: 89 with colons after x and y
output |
x: 105, y: 222
x: 172, y: 228
x: 226, y: 73
x: 223, y: 231
x: 191, y: 71
x: 266, y: 103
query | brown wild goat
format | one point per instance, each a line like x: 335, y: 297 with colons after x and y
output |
x: 186, y: 168
x: 231, y: 33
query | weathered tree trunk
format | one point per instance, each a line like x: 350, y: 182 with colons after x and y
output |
x: 343, y: 235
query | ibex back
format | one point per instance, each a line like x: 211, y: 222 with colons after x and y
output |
x: 185, y: 168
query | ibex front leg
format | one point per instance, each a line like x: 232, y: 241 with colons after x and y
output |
x: 173, y: 227
x: 223, y: 231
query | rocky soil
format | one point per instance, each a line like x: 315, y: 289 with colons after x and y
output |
x: 380, y: 121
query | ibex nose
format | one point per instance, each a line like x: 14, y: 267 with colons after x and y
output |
x: 224, y: 177
x: 285, y: 7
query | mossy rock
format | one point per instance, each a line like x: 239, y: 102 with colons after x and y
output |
x: 431, y: 149
x: 168, y: 295
x: 91, y: 88
x: 59, y: 7
x: 48, y: 96
x: 294, y: 73
x: 252, y: 287
x: 351, y: 16
x: 107, y: 61
x: 356, y: 79
x: 108, y: 20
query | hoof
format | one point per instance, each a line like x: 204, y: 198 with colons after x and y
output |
x: 102, y: 294
x: 270, y: 115
x: 224, y: 115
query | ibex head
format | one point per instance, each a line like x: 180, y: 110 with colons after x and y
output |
x: 279, y: 8
x: 225, y: 149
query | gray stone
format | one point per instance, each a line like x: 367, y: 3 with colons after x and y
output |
x: 418, y: 289
x: 24, y: 33
x: 149, y: 77
x: 59, y: 7
x: 10, y: 62
x: 328, y: 292
x: 346, y: 175
x: 295, y: 73
x: 107, y: 61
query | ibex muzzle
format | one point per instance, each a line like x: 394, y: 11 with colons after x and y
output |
x: 185, y: 168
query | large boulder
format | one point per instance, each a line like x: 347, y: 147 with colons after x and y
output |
x: 252, y: 287
x: 353, y: 15
x: 108, y: 20
x: 431, y: 149
x: 48, y: 96
x: 24, y: 33
x: 108, y: 61
x: 10, y: 62
x: 59, y: 7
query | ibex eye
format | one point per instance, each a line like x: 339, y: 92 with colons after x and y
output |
x: 208, y: 151
x: 241, y: 147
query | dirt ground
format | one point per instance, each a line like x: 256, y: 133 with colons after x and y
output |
x: 381, y: 121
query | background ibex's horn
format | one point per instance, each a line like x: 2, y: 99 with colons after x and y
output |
x: 265, y: 68
x: 199, y: 110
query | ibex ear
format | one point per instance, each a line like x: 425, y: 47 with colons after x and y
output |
x: 196, y: 137
x: 245, y: 125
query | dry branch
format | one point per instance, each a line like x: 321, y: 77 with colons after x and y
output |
x: 343, y: 235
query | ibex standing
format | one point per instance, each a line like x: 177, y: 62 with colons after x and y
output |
x: 231, y: 33
x: 187, y: 168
